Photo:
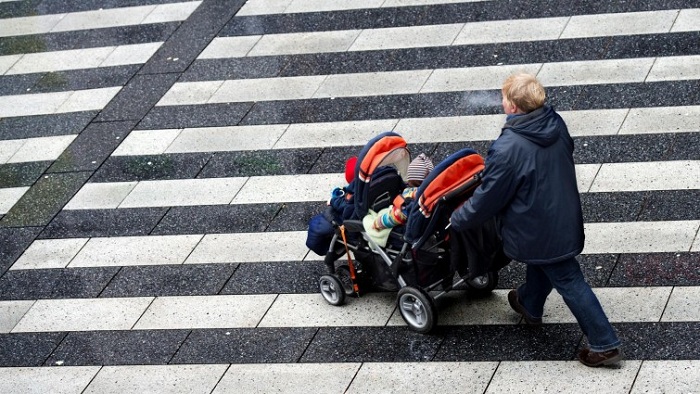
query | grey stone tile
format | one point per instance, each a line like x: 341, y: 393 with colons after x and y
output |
x: 22, y: 174
x: 659, y: 341
x: 44, y: 200
x: 671, y: 205
x: 217, y: 219
x: 244, y: 346
x: 622, y: 148
x: 175, y: 117
x: 27, y: 350
x: 169, y: 280
x: 612, y: 207
x: 509, y: 342
x: 597, y: 269
x: 55, y: 283
x: 158, y: 167
x: 259, y: 163
x: 44, y: 125
x: 195, y: 33
x: 92, y: 147
x: 103, y: 223
x: 136, y: 98
x: 279, y: 277
x: 295, y: 216
x: 686, y: 146
x: 371, y: 344
x: 234, y: 68
x: 14, y: 242
x: 117, y: 347
x: 17, y: 84
x: 93, y: 78
x: 657, y: 269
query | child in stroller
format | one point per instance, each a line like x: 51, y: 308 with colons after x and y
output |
x: 416, y: 258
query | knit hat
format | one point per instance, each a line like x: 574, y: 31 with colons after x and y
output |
x: 419, y: 168
x: 350, y: 168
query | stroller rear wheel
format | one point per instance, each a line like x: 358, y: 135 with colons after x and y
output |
x: 482, y: 286
x: 417, y: 309
x: 332, y: 290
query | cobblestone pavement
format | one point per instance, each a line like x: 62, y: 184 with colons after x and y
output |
x: 160, y: 161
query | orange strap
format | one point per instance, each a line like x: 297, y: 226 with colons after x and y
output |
x: 351, y: 266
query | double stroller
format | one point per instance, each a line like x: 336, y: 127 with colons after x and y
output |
x: 416, y: 260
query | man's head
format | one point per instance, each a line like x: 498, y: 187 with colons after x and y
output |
x: 522, y: 93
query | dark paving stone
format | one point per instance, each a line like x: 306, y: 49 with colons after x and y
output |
x: 234, y: 68
x: 653, y: 45
x: 195, y: 33
x: 671, y: 205
x: 156, y: 167
x: 22, y: 174
x: 44, y: 125
x: 242, y: 346
x: 333, y: 159
x: 279, y: 277
x: 17, y: 84
x: 13, y: 242
x: 209, y: 115
x: 260, y: 163
x: 596, y: 270
x: 295, y: 216
x: 92, y: 78
x: 371, y: 344
x: 300, y: 111
x: 622, y: 148
x: 659, y: 341
x: 612, y: 207
x: 638, y: 95
x: 508, y: 342
x: 55, y: 283
x: 92, y: 147
x: 657, y: 269
x: 215, y: 219
x: 44, y: 200
x: 169, y: 280
x: 686, y: 145
x: 27, y: 349
x: 136, y: 98
x: 445, y: 149
x: 103, y: 223
x: 549, y: 51
x: 118, y: 347
x: 93, y: 38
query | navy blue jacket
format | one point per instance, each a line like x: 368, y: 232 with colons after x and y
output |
x: 529, y: 185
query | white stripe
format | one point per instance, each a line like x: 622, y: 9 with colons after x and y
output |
x: 517, y: 30
x: 601, y: 238
x: 683, y: 376
x: 414, y: 130
x: 606, y: 177
x: 407, y: 82
x: 267, y: 7
x: 34, y: 149
x: 9, y: 197
x: 56, y: 102
x: 97, y: 19
x: 311, y: 310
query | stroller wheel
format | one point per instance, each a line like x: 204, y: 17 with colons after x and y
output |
x: 332, y: 290
x: 417, y: 309
x: 343, y: 273
x: 483, y: 285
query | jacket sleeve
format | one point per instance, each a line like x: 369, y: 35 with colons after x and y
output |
x: 497, y: 188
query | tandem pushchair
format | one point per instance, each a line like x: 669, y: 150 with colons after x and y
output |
x: 416, y: 259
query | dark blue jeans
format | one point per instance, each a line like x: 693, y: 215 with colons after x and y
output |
x: 567, y: 278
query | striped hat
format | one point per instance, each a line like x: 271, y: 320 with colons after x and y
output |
x: 419, y: 168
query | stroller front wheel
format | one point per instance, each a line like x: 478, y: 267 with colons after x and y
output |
x: 417, y: 309
x: 332, y: 290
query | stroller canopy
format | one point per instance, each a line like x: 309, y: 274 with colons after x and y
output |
x: 452, y: 178
x: 388, y: 149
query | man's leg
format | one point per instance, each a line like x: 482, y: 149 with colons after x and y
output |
x: 568, y: 279
x: 533, y: 293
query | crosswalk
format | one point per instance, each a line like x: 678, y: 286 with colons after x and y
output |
x: 160, y: 160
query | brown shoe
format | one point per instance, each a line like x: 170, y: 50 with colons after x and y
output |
x: 515, y: 304
x: 598, y: 359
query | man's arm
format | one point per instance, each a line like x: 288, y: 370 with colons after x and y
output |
x: 498, y: 186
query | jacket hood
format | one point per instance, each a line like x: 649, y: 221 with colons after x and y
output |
x: 541, y: 126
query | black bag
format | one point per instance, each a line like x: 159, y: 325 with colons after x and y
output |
x: 320, y: 233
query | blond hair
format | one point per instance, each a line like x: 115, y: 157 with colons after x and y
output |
x: 524, y: 91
